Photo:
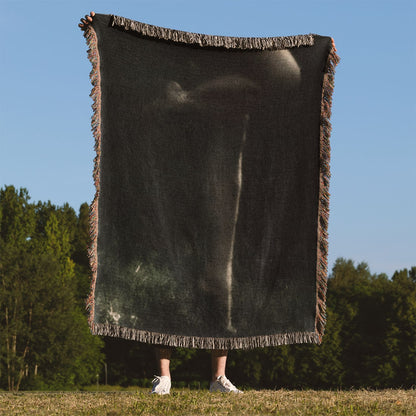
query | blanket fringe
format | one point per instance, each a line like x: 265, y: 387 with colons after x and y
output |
x: 325, y: 174
x: 93, y: 56
x: 228, y: 42
x: 204, y: 342
x: 325, y: 131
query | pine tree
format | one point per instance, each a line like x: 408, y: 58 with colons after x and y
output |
x: 44, y: 339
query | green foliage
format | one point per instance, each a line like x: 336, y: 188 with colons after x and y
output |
x: 370, y: 336
x: 370, y: 341
x: 44, y: 338
x: 378, y: 324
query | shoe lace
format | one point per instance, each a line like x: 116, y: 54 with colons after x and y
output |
x: 225, y: 382
x: 156, y: 380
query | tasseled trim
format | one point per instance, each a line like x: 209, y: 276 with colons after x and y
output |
x: 204, y: 342
x: 199, y: 39
x: 94, y: 58
x: 325, y: 174
x: 325, y: 130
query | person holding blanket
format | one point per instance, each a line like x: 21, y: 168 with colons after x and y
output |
x: 162, y: 382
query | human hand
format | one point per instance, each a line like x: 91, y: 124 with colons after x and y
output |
x: 85, y: 21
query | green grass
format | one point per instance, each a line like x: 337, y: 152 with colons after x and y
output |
x: 201, y: 402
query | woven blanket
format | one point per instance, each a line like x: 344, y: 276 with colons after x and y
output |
x: 209, y: 223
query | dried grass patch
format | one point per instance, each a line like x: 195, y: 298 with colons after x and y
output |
x: 201, y: 402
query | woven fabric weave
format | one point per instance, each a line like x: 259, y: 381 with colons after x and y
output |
x: 209, y: 222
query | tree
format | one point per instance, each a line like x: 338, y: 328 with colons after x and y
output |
x: 79, y: 255
x: 17, y: 225
x: 401, y: 337
x: 44, y: 340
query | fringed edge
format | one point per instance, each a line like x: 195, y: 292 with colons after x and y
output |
x: 204, y: 342
x: 325, y: 174
x: 228, y: 42
x: 325, y: 132
x: 93, y: 55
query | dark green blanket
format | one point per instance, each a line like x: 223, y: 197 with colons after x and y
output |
x: 212, y: 174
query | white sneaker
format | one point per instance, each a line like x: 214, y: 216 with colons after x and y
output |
x: 223, y: 385
x: 161, y: 385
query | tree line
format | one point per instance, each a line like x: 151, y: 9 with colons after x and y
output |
x: 45, y: 342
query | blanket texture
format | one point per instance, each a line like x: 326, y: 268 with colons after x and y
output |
x: 209, y: 223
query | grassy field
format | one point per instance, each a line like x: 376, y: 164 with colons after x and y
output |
x: 201, y: 402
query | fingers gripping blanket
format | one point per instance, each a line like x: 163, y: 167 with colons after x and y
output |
x: 209, y: 223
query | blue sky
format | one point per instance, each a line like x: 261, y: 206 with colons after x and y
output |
x: 46, y: 145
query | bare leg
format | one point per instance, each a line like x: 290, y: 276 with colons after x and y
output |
x: 218, y: 363
x: 163, y: 360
